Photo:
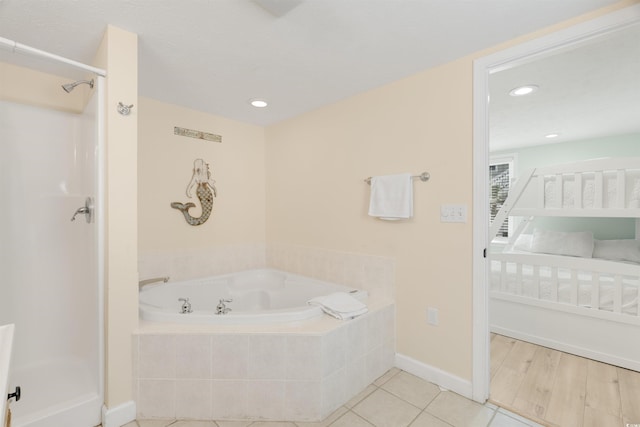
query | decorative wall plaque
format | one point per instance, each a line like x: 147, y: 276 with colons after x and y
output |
x: 205, y: 191
x: 197, y: 134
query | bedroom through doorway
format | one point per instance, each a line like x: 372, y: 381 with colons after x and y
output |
x: 582, y: 94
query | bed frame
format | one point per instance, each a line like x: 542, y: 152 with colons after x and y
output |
x: 586, y: 330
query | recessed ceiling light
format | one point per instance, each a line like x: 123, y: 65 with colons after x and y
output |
x: 523, y: 90
x: 258, y: 102
x: 552, y: 135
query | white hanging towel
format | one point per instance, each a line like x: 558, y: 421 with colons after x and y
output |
x: 391, y: 197
x: 340, y: 305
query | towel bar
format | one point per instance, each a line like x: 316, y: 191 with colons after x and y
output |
x: 424, y: 177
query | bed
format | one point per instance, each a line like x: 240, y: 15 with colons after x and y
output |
x: 565, y: 289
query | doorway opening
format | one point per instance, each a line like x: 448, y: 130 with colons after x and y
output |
x: 484, y: 70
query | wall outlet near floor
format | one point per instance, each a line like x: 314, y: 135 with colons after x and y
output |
x: 432, y: 316
x: 453, y: 213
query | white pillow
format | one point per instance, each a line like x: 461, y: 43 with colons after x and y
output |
x: 579, y: 243
x: 617, y: 250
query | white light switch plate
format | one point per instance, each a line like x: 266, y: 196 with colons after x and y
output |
x: 432, y: 316
x: 453, y: 213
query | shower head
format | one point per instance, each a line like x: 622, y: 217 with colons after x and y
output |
x: 70, y: 86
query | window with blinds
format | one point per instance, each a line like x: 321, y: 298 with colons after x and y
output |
x: 500, y: 176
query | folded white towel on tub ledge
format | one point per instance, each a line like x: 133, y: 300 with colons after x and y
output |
x: 340, y: 305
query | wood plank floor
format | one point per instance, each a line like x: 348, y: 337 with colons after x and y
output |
x: 559, y: 389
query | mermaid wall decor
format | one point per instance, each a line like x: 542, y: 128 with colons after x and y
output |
x: 205, y: 191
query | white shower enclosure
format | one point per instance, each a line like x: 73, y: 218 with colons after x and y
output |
x: 50, y: 266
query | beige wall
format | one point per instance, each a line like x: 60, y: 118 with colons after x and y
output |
x: 316, y: 196
x: 165, y: 168
x: 26, y: 86
x: 118, y: 54
x: 414, y: 125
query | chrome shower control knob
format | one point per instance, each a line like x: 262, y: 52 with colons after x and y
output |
x: 221, y: 308
x: 186, y: 306
x: 86, y: 210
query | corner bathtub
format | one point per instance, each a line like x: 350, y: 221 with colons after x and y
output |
x: 272, y: 358
x: 258, y: 296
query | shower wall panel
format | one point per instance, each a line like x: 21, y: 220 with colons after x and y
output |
x: 48, y: 262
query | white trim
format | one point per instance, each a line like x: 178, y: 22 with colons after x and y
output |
x: 482, y: 68
x: 100, y: 216
x: 432, y: 374
x: 119, y: 415
x: 7, y: 337
x: 480, y: 337
x: 545, y: 45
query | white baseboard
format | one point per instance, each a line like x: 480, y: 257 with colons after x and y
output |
x: 119, y: 415
x: 437, y: 376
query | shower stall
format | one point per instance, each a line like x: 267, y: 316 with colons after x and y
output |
x: 51, y: 267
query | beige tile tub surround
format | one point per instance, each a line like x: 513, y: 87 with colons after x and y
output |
x: 185, y: 264
x: 297, y: 372
x: 397, y: 399
x: 374, y: 274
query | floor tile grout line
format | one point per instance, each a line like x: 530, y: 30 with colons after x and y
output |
x: 517, y: 417
x: 429, y: 404
x: 433, y: 415
x: 515, y: 411
x: 421, y: 410
x: 380, y: 387
x: 359, y: 416
x: 415, y: 418
x: 495, y: 412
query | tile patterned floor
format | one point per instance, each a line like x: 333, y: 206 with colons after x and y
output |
x: 397, y: 399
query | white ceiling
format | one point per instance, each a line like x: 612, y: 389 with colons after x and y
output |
x: 214, y: 55
x: 588, y: 90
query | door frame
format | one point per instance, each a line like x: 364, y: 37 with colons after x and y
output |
x: 482, y: 69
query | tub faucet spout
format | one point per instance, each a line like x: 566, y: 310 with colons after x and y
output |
x: 221, y: 308
x: 145, y: 282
